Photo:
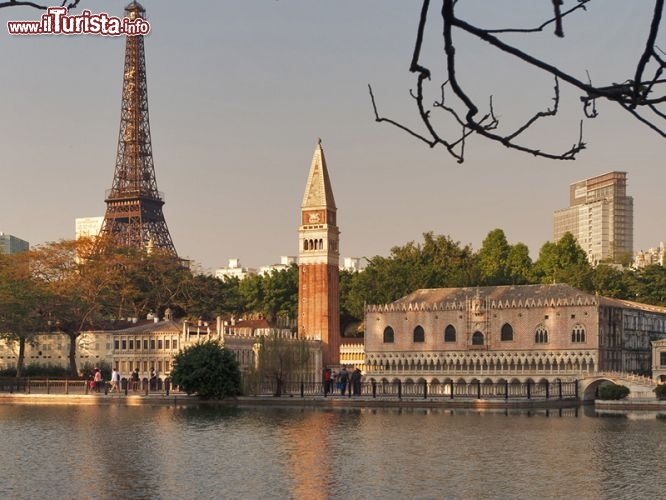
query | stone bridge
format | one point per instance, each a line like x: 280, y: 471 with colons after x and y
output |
x: 640, y: 387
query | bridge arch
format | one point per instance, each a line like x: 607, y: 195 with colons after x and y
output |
x: 588, y: 387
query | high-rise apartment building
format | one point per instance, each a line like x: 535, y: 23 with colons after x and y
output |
x: 12, y: 244
x: 600, y: 216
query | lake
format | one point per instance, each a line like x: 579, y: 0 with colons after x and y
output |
x: 210, y: 452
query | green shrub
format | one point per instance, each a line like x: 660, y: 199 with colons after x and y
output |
x: 208, y: 370
x: 660, y: 391
x: 613, y: 391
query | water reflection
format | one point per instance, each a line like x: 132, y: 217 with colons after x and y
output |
x: 211, y: 452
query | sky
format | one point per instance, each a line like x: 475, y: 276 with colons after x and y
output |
x: 240, y: 92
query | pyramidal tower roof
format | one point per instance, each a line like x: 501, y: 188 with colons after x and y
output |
x: 318, y: 191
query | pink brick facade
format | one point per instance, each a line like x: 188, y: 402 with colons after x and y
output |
x: 507, y: 332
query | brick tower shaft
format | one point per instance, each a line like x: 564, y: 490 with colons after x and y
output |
x: 318, y: 262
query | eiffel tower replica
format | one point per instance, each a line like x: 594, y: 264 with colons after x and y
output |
x: 134, y: 216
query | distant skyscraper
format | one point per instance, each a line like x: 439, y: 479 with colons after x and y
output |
x: 319, y: 262
x: 12, y: 244
x: 134, y: 215
x: 600, y: 216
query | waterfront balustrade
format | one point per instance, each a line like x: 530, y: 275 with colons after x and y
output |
x: 557, y: 389
x: 545, y: 390
x: 29, y: 385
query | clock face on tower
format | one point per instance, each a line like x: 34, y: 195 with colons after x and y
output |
x: 314, y: 218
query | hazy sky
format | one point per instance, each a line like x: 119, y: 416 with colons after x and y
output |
x: 239, y: 92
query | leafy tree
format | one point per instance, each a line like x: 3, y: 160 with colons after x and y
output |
x: 445, y: 263
x: 611, y: 282
x: 85, y: 287
x: 519, y: 264
x: 206, y: 296
x: 272, y: 295
x: 437, y: 262
x: 564, y: 262
x: 280, y: 290
x: 21, y: 302
x: 649, y: 285
x: 351, y: 299
x: 251, y: 292
x: 208, y: 370
x: 145, y: 281
x: 493, y: 259
x: 75, y: 288
x: 281, y: 359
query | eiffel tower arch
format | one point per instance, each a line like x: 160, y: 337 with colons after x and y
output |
x: 134, y: 216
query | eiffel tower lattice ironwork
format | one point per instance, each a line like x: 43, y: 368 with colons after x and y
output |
x: 134, y: 216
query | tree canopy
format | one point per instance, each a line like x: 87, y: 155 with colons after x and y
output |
x: 65, y: 287
x: 207, y: 370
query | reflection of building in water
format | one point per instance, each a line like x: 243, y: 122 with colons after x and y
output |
x: 307, y: 448
x: 508, y: 331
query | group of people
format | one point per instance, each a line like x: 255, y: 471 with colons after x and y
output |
x: 134, y: 381
x: 343, y: 381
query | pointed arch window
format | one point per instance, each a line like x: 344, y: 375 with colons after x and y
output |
x: 389, y: 335
x: 450, y: 333
x: 578, y: 334
x: 419, y: 334
x: 506, y: 332
x: 477, y: 338
x: 541, y: 335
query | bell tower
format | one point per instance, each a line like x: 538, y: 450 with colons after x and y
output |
x: 319, y: 262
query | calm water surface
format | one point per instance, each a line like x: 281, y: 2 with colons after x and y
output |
x: 158, y: 452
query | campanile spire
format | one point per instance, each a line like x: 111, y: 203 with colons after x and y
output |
x: 319, y: 261
x: 134, y: 216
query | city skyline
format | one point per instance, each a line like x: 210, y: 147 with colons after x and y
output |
x: 238, y: 99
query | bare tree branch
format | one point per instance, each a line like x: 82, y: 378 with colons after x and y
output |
x: 633, y: 93
x: 20, y: 3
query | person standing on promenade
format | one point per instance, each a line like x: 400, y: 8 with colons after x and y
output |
x: 115, y: 381
x: 153, y: 379
x: 356, y: 382
x: 327, y: 381
x: 98, y: 379
x: 344, y: 378
x: 135, y: 380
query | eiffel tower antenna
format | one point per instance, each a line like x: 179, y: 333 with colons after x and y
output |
x: 134, y: 216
